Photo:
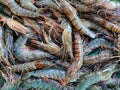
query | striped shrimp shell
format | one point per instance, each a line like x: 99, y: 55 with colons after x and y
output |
x: 39, y: 84
x: 23, y: 53
x: 17, y: 10
x: 75, y: 20
x: 99, y: 42
x: 55, y: 74
x: 67, y: 38
x: 96, y: 77
x: 104, y: 23
x: 77, y: 61
x: 101, y: 57
x: 29, y: 66
x: 27, y: 4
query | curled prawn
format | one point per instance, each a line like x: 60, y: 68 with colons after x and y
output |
x: 75, y: 20
x: 96, y: 77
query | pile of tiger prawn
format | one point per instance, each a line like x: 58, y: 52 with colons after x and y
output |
x: 59, y: 45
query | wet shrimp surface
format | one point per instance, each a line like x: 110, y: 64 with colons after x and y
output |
x: 59, y: 45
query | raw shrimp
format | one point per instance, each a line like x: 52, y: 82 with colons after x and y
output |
x: 11, y: 83
x: 55, y: 74
x: 29, y: 66
x: 78, y: 59
x: 51, y: 48
x: 23, y: 53
x: 112, y: 81
x: 94, y: 87
x: 39, y: 84
x: 8, y: 38
x: 17, y: 10
x: 33, y: 24
x: 96, y: 77
x: 108, y: 4
x: 103, y: 22
x: 94, y: 26
x: 67, y: 38
x: 14, y: 25
x: 82, y: 8
x: 75, y: 20
x: 99, y: 42
x: 52, y: 23
x: 54, y: 31
x: 2, y: 47
x: 9, y: 42
x: 115, y: 13
x: 5, y: 10
x: 27, y: 4
x: 49, y: 3
x: 103, y: 56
